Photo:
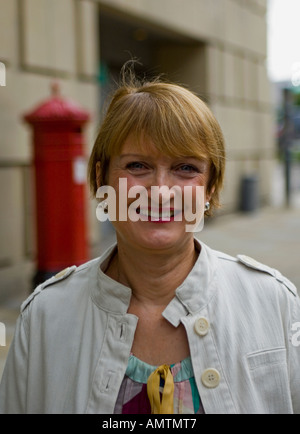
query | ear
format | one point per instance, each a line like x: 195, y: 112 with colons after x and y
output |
x: 98, y: 174
x: 209, y: 194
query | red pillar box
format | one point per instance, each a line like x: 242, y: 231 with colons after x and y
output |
x: 60, y: 180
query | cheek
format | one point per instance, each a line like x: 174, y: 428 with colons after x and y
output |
x: 133, y: 182
x: 194, y: 197
x: 123, y: 185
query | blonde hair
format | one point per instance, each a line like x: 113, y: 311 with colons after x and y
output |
x: 178, y: 122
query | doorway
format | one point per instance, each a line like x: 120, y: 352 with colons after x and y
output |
x: 158, y: 50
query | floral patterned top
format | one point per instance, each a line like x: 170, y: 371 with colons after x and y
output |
x: 133, y: 397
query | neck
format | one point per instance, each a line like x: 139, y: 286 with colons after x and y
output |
x: 152, y: 276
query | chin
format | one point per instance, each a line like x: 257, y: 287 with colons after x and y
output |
x: 157, y: 237
x: 162, y: 239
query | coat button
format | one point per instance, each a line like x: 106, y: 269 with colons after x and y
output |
x: 201, y: 326
x: 211, y: 378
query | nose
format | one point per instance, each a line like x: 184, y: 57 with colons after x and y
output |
x: 162, y: 189
x: 162, y: 178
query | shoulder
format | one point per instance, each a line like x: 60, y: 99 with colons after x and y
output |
x: 249, y: 269
x: 71, y: 278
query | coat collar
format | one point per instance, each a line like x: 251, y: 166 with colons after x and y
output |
x: 190, y: 297
x: 196, y: 290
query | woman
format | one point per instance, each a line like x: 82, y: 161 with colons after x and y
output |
x: 160, y: 323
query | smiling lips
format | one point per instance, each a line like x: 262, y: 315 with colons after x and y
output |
x: 158, y: 215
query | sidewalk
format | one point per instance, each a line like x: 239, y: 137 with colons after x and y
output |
x: 271, y: 236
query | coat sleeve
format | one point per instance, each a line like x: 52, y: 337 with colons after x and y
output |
x: 13, y: 387
x: 295, y: 356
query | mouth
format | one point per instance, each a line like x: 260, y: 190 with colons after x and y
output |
x: 161, y: 215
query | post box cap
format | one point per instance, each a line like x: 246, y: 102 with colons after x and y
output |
x: 57, y: 109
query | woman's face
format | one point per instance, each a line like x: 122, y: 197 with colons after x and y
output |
x: 161, y: 222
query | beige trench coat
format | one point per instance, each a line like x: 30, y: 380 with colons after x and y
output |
x: 74, y: 336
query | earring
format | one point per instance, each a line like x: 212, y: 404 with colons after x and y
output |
x: 207, y: 206
x: 104, y: 207
x: 102, y: 211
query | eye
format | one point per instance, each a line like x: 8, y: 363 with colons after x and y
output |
x: 136, y: 166
x: 187, y: 168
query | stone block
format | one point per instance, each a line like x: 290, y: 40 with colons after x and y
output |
x: 12, y: 215
x: 49, y: 36
x: 87, y: 36
x: 8, y: 33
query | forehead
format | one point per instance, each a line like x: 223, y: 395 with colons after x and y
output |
x: 142, y: 146
x: 145, y: 146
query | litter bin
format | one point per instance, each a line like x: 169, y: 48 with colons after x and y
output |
x: 249, y: 200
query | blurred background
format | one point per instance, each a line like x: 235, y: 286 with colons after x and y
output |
x: 60, y: 60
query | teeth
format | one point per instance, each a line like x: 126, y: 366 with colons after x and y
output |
x: 157, y: 215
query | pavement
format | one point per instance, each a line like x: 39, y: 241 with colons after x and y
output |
x: 270, y: 235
